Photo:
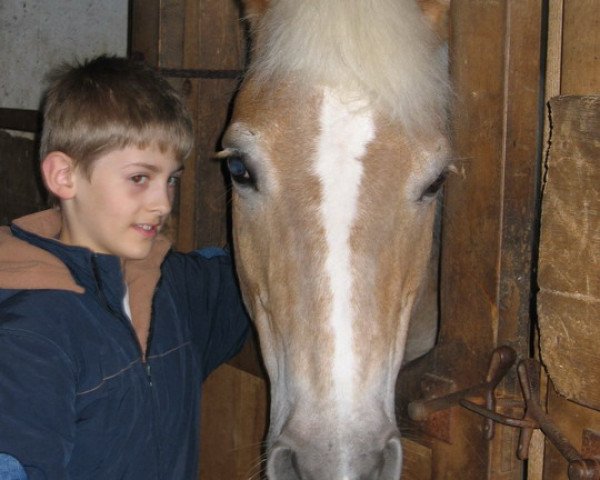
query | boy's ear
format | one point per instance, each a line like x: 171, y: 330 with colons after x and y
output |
x: 58, y: 171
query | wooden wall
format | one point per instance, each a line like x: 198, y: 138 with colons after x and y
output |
x: 488, y: 234
x: 573, y: 68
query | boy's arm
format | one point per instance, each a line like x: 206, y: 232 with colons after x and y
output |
x: 37, y: 391
x: 219, y: 319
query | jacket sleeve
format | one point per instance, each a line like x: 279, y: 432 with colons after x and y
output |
x: 11, y: 468
x: 220, y: 323
x: 37, y: 391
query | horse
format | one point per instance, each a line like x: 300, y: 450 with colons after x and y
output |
x: 337, y: 148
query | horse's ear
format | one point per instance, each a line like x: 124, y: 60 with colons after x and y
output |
x: 254, y: 9
x: 436, y: 12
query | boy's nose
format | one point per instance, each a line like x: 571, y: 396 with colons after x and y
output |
x: 162, y: 201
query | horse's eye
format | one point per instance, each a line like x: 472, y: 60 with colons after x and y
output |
x: 238, y: 170
x: 432, y: 189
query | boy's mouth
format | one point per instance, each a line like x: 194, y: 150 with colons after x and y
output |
x: 147, y: 229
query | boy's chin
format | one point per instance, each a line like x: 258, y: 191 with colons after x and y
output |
x: 139, y: 254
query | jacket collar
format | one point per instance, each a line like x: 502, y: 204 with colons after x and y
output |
x: 31, y: 258
x: 29, y: 267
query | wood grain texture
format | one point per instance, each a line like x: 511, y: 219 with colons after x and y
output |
x: 572, y: 67
x: 211, y: 191
x: 232, y: 430
x: 572, y: 420
x: 487, y: 233
x: 580, y: 56
x: 569, y: 264
x: 416, y: 463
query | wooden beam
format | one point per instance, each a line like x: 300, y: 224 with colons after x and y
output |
x: 20, y: 119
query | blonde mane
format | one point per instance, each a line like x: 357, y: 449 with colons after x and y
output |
x: 383, y: 50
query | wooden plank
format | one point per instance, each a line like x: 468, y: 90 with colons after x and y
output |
x: 554, y: 48
x: 19, y: 119
x: 416, y: 461
x: 553, y: 56
x: 488, y: 236
x: 569, y: 265
x: 572, y: 420
x: 489, y: 212
x: 21, y: 190
x: 472, y: 212
x: 187, y: 34
x: 233, y: 426
x: 214, y: 35
x: 521, y: 165
x: 171, y: 33
x: 144, y: 34
x: 580, y: 59
x: 537, y: 446
x: 204, y: 193
x: 571, y: 33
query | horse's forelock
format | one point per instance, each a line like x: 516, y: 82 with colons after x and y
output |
x: 383, y: 49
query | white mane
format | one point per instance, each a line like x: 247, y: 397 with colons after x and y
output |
x: 382, y: 49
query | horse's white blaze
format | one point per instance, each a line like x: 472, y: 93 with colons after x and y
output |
x: 346, y: 129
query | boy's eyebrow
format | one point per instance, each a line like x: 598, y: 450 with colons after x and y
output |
x: 153, y: 168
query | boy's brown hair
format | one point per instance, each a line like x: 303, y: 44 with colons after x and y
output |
x: 109, y: 103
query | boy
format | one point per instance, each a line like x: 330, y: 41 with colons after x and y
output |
x: 105, y: 333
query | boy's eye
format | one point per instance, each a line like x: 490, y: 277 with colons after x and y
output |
x: 139, y: 179
x: 173, y: 181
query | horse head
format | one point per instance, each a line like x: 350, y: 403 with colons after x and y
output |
x: 336, y: 149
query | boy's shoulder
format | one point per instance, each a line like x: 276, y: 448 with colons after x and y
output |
x: 24, y: 266
x: 45, y: 306
x: 208, y: 261
x: 204, y: 273
x: 43, y: 321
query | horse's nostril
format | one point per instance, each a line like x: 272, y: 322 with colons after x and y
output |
x: 282, y: 464
x: 385, y: 464
x: 391, y: 460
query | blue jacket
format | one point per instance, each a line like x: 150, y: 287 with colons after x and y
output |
x: 87, y: 393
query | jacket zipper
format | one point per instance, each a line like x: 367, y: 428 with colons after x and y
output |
x: 149, y: 373
x: 145, y: 364
x: 122, y: 318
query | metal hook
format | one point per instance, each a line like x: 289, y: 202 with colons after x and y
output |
x: 501, y: 361
x: 533, y: 418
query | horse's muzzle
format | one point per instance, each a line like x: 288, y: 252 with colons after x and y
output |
x: 285, y: 463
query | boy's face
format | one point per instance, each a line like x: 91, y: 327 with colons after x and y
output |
x: 121, y: 208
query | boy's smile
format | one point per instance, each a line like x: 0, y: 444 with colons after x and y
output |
x: 123, y: 204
